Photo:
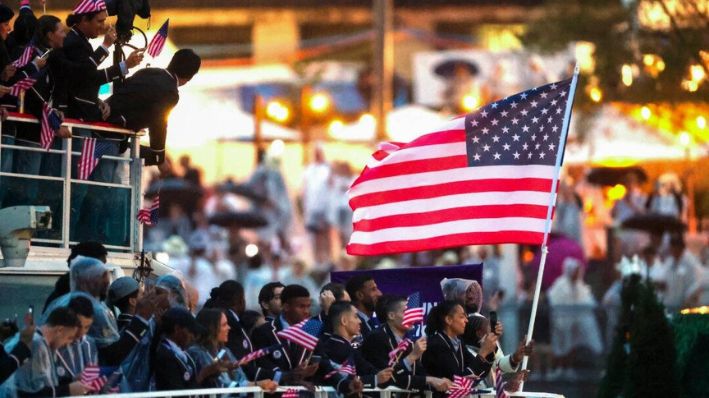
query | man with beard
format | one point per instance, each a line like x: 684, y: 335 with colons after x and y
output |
x: 90, y: 279
x: 364, y: 293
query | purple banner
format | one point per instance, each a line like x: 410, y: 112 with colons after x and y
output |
x: 426, y: 280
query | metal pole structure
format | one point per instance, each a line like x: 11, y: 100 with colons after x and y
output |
x: 382, y: 92
x: 258, y: 118
x: 305, y: 94
x: 552, y: 202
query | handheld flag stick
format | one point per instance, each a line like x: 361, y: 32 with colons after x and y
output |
x: 552, y: 202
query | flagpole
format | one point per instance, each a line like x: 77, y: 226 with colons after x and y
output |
x: 552, y: 202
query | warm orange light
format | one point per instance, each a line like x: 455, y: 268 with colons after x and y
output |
x: 469, y: 102
x: 596, y: 94
x: 690, y: 85
x: 696, y: 72
x: 319, y: 102
x: 627, y: 74
x: 617, y: 192
x: 703, y: 310
x: 701, y: 122
x: 335, y: 127
x: 645, y: 112
x: 685, y: 139
x: 277, y: 111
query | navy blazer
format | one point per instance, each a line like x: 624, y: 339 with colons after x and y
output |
x: 376, y: 349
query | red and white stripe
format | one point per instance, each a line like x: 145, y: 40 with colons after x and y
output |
x: 87, y: 6
x: 423, y: 195
x: 499, y: 384
x: 156, y: 45
x: 461, y: 387
x: 297, y: 335
x: 87, y: 161
x: 26, y: 56
x: 291, y: 393
x: 47, y: 131
x: 412, y: 316
x: 396, y: 352
x: 22, y: 85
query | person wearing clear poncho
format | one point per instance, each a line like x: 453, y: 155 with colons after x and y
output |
x: 468, y: 292
x: 90, y: 278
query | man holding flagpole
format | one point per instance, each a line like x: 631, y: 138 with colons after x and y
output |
x: 486, y: 178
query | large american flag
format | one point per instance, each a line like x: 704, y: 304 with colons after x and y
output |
x: 461, y: 387
x: 149, y: 215
x: 413, y: 313
x: 88, y: 6
x: 305, y: 333
x: 158, y: 41
x: 49, y: 126
x: 26, y: 56
x: 257, y: 354
x: 91, y: 153
x: 484, y: 178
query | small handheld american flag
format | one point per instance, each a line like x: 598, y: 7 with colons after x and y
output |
x: 95, y: 378
x: 305, y: 333
x: 401, y: 348
x: 347, y: 368
x: 91, y: 153
x: 291, y: 393
x: 158, y: 41
x: 26, y: 56
x: 414, y: 311
x: 89, y: 6
x: 149, y: 215
x: 50, y: 124
x: 461, y: 387
x: 21, y: 85
x: 257, y: 354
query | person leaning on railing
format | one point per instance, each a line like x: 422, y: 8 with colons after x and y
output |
x: 210, y: 348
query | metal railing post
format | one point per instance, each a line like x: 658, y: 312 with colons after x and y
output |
x: 136, y: 232
x: 66, y: 174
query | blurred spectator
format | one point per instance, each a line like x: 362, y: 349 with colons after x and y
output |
x: 267, y: 181
x: 633, y: 203
x: 490, y: 257
x: 197, y: 270
x: 339, y: 212
x: 298, y: 275
x: 668, y: 198
x: 190, y: 174
x: 315, y: 196
x: 573, y: 322
x: 567, y: 215
x: 676, y: 276
x: 260, y: 274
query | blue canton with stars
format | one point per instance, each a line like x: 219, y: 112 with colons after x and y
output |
x: 522, y: 129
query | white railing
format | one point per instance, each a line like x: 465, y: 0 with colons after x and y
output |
x: 67, y: 153
x: 320, y: 392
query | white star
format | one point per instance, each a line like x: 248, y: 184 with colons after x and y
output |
x: 551, y: 147
x: 474, y: 123
x: 513, y: 104
x: 553, y: 86
x: 537, y: 146
x: 544, y: 95
x: 486, y: 148
x: 504, y: 113
x: 523, y: 95
x: 525, y: 146
x: 554, y: 129
x: 544, y: 111
x: 563, y: 93
x: 485, y: 130
x: 515, y: 120
x: 541, y: 155
x: 516, y: 155
x: 484, y: 113
x: 546, y: 137
x: 549, y: 119
x: 535, y: 119
x: 496, y: 138
x: 553, y: 102
x: 515, y: 137
x: 541, y: 128
x: 505, y: 129
x: 506, y: 147
x: 534, y: 137
x: 529, y: 155
x: 534, y: 104
x: 497, y: 156
x: 494, y: 122
x: 525, y: 129
x: 476, y: 157
x: 524, y: 112
x: 476, y: 139
x: 558, y: 111
x: 494, y: 105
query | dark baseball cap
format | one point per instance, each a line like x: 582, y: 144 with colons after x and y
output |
x: 179, y: 316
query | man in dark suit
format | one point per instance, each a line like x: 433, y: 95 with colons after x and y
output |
x: 292, y: 362
x: 410, y: 373
x: 147, y: 97
x: 338, y: 347
x: 174, y: 369
x: 364, y: 293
